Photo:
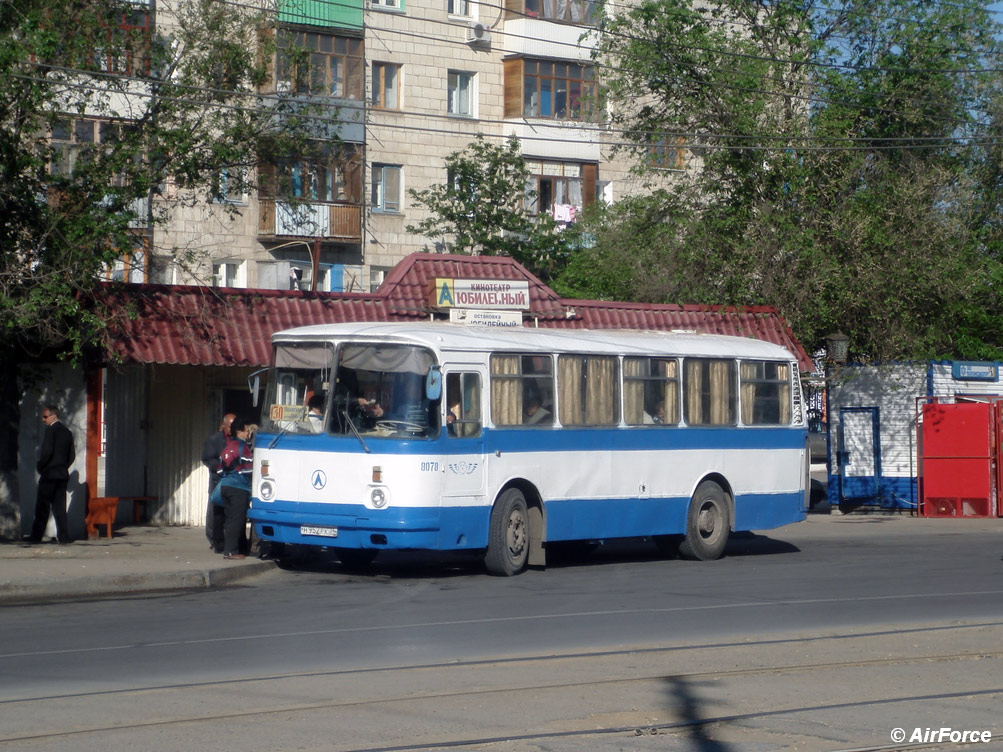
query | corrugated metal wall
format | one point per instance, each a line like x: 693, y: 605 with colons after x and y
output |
x: 175, y: 474
x: 892, y: 389
x: 945, y: 385
x: 184, y: 408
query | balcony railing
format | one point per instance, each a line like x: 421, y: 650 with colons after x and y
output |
x: 339, y: 222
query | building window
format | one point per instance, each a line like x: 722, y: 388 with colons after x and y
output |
x: 227, y: 274
x: 386, y: 4
x: 562, y: 189
x: 74, y: 143
x: 549, y: 89
x: 386, y: 83
x: 376, y: 276
x: 131, y: 266
x: 667, y: 154
x: 582, y: 12
x: 330, y: 176
x: 231, y: 186
x: 123, y: 45
x: 386, y: 188
x: 320, y: 64
x: 461, y: 98
x: 458, y: 8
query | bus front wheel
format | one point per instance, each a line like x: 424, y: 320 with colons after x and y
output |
x: 508, y: 536
x: 708, y: 523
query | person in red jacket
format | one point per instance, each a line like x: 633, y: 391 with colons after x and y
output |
x: 235, y: 487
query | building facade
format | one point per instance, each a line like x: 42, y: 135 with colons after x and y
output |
x: 397, y: 86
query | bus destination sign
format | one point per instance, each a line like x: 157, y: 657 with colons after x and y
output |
x: 487, y: 294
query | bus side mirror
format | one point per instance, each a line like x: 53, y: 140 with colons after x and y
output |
x: 254, y: 385
x: 433, y: 383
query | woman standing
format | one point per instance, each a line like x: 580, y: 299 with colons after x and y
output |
x: 235, y: 486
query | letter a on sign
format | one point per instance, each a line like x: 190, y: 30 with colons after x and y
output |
x: 444, y: 292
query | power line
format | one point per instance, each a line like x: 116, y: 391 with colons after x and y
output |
x: 944, y: 141
x: 694, y: 140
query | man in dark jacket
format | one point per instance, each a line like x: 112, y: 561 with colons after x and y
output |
x: 54, y: 460
x: 213, y: 448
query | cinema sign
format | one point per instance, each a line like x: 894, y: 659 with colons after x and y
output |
x: 485, y: 294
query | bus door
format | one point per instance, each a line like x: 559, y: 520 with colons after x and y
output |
x: 859, y: 456
x: 463, y: 453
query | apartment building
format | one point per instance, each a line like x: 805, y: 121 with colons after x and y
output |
x: 399, y: 85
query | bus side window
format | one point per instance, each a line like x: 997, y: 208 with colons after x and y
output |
x: 522, y: 390
x: 765, y: 393
x: 650, y: 391
x: 463, y: 405
x: 709, y: 384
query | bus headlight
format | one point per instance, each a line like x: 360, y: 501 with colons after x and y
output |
x: 379, y: 497
x: 266, y: 490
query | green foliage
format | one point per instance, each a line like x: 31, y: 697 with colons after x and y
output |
x: 482, y: 209
x: 845, y: 161
x: 181, y: 104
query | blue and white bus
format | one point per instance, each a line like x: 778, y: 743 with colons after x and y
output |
x: 434, y: 436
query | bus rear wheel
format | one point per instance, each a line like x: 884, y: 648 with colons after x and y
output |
x: 708, y: 523
x: 508, y: 535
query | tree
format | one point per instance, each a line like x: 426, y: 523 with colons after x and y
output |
x: 834, y: 173
x: 109, y: 119
x: 482, y: 209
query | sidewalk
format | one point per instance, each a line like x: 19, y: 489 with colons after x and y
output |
x: 137, y: 559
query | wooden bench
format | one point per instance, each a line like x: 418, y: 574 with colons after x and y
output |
x: 102, y: 510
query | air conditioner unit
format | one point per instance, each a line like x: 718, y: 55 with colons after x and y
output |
x: 478, y: 34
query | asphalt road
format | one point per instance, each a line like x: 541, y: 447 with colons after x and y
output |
x: 825, y: 635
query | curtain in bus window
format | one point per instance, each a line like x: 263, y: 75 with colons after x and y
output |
x: 310, y: 356
x: 600, y: 392
x: 748, y: 371
x: 633, y: 390
x: 694, y: 392
x: 471, y: 409
x: 720, y: 392
x: 387, y: 359
x: 784, y: 377
x: 569, y: 389
x: 670, y: 393
x: 506, y: 390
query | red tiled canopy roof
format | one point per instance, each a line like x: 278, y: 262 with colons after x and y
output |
x: 230, y: 327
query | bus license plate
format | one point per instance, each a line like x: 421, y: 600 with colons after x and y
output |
x: 324, y: 532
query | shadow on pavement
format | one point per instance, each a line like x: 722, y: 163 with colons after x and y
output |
x: 424, y: 564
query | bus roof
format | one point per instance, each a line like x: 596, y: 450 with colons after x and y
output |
x: 443, y: 337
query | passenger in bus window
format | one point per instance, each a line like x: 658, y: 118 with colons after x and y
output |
x: 315, y: 414
x: 535, y: 413
x: 657, y: 416
x: 453, y: 415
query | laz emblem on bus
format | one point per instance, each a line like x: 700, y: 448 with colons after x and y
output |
x: 462, y: 467
x: 319, y: 479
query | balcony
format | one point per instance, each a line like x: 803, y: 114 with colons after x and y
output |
x: 341, y: 223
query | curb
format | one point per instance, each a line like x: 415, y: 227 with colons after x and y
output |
x: 88, y: 587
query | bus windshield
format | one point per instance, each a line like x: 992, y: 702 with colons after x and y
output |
x: 371, y: 390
